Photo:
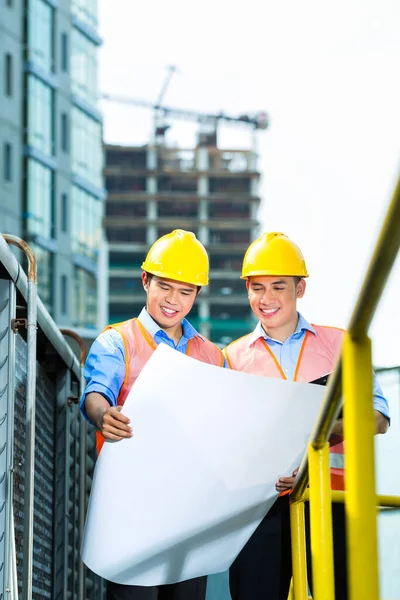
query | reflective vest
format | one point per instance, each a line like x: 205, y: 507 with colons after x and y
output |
x: 317, y: 357
x: 139, y: 346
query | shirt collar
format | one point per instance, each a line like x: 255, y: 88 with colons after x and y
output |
x: 188, y: 331
x: 302, y: 325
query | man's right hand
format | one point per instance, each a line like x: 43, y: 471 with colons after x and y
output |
x: 113, y: 425
x: 106, y: 418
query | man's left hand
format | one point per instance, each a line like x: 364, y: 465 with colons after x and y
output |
x: 286, y: 483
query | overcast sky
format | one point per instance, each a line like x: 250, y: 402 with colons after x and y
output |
x: 328, y: 74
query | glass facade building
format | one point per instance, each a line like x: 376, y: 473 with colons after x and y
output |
x: 86, y: 147
x: 83, y: 67
x: 57, y: 132
x: 40, y: 116
x: 40, y: 34
x: 39, y: 199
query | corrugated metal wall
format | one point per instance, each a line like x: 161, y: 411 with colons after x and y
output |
x: 44, y: 474
x: 7, y: 309
x: 58, y: 572
x: 56, y: 555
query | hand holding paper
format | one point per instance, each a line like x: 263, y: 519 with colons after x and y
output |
x: 198, y: 475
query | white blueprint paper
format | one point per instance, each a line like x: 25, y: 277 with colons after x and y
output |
x: 182, y: 496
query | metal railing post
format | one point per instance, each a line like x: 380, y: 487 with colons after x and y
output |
x: 321, y: 523
x: 360, y: 499
x: 82, y: 458
x: 7, y: 359
x: 299, y: 561
x: 13, y: 570
x: 29, y: 486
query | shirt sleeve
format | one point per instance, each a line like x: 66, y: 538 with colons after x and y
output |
x: 105, y: 368
x: 379, y: 400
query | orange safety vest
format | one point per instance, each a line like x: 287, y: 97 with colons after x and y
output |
x: 139, y: 346
x: 317, y: 357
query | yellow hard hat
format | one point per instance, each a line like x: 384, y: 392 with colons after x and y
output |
x: 273, y: 254
x: 180, y: 256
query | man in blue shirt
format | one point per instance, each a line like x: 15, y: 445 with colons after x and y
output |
x: 175, y: 269
x: 285, y: 345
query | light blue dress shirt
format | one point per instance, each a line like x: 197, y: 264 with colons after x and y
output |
x: 287, y: 355
x: 105, y: 364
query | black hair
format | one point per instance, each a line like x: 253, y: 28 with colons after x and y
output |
x: 150, y: 277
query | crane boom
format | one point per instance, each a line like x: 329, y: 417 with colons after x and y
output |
x: 258, y: 121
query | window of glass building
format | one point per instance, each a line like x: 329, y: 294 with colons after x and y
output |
x: 221, y: 236
x: 83, y: 67
x: 127, y: 234
x: 227, y: 287
x: 125, y: 183
x: 40, y: 34
x: 64, y: 294
x: 40, y: 131
x: 64, y: 132
x: 8, y: 75
x: 87, y: 149
x: 229, y: 210
x: 126, y: 260
x: 85, y: 11
x: 128, y: 159
x: 64, y: 52
x: 45, y: 267
x: 123, y: 312
x: 239, y: 185
x: 126, y: 209
x: 64, y: 213
x: 86, y: 221
x: 40, y: 204
x: 84, y: 299
x: 7, y: 162
x: 177, y: 184
x: 126, y: 285
x: 229, y: 261
x: 177, y: 208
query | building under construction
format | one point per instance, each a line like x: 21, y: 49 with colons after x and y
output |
x: 211, y: 191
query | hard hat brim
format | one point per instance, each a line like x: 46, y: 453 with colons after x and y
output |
x: 272, y: 274
x: 163, y: 275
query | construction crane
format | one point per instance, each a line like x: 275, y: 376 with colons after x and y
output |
x: 258, y: 121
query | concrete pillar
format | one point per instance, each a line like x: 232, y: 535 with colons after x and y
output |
x: 151, y: 185
x: 103, y: 285
x: 252, y: 161
x: 151, y: 159
x: 254, y: 186
x: 204, y: 316
x: 151, y: 233
x: 202, y: 191
x: 202, y: 159
x: 253, y: 210
x: 151, y: 188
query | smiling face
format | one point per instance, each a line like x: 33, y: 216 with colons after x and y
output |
x: 168, y: 301
x: 273, y: 300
